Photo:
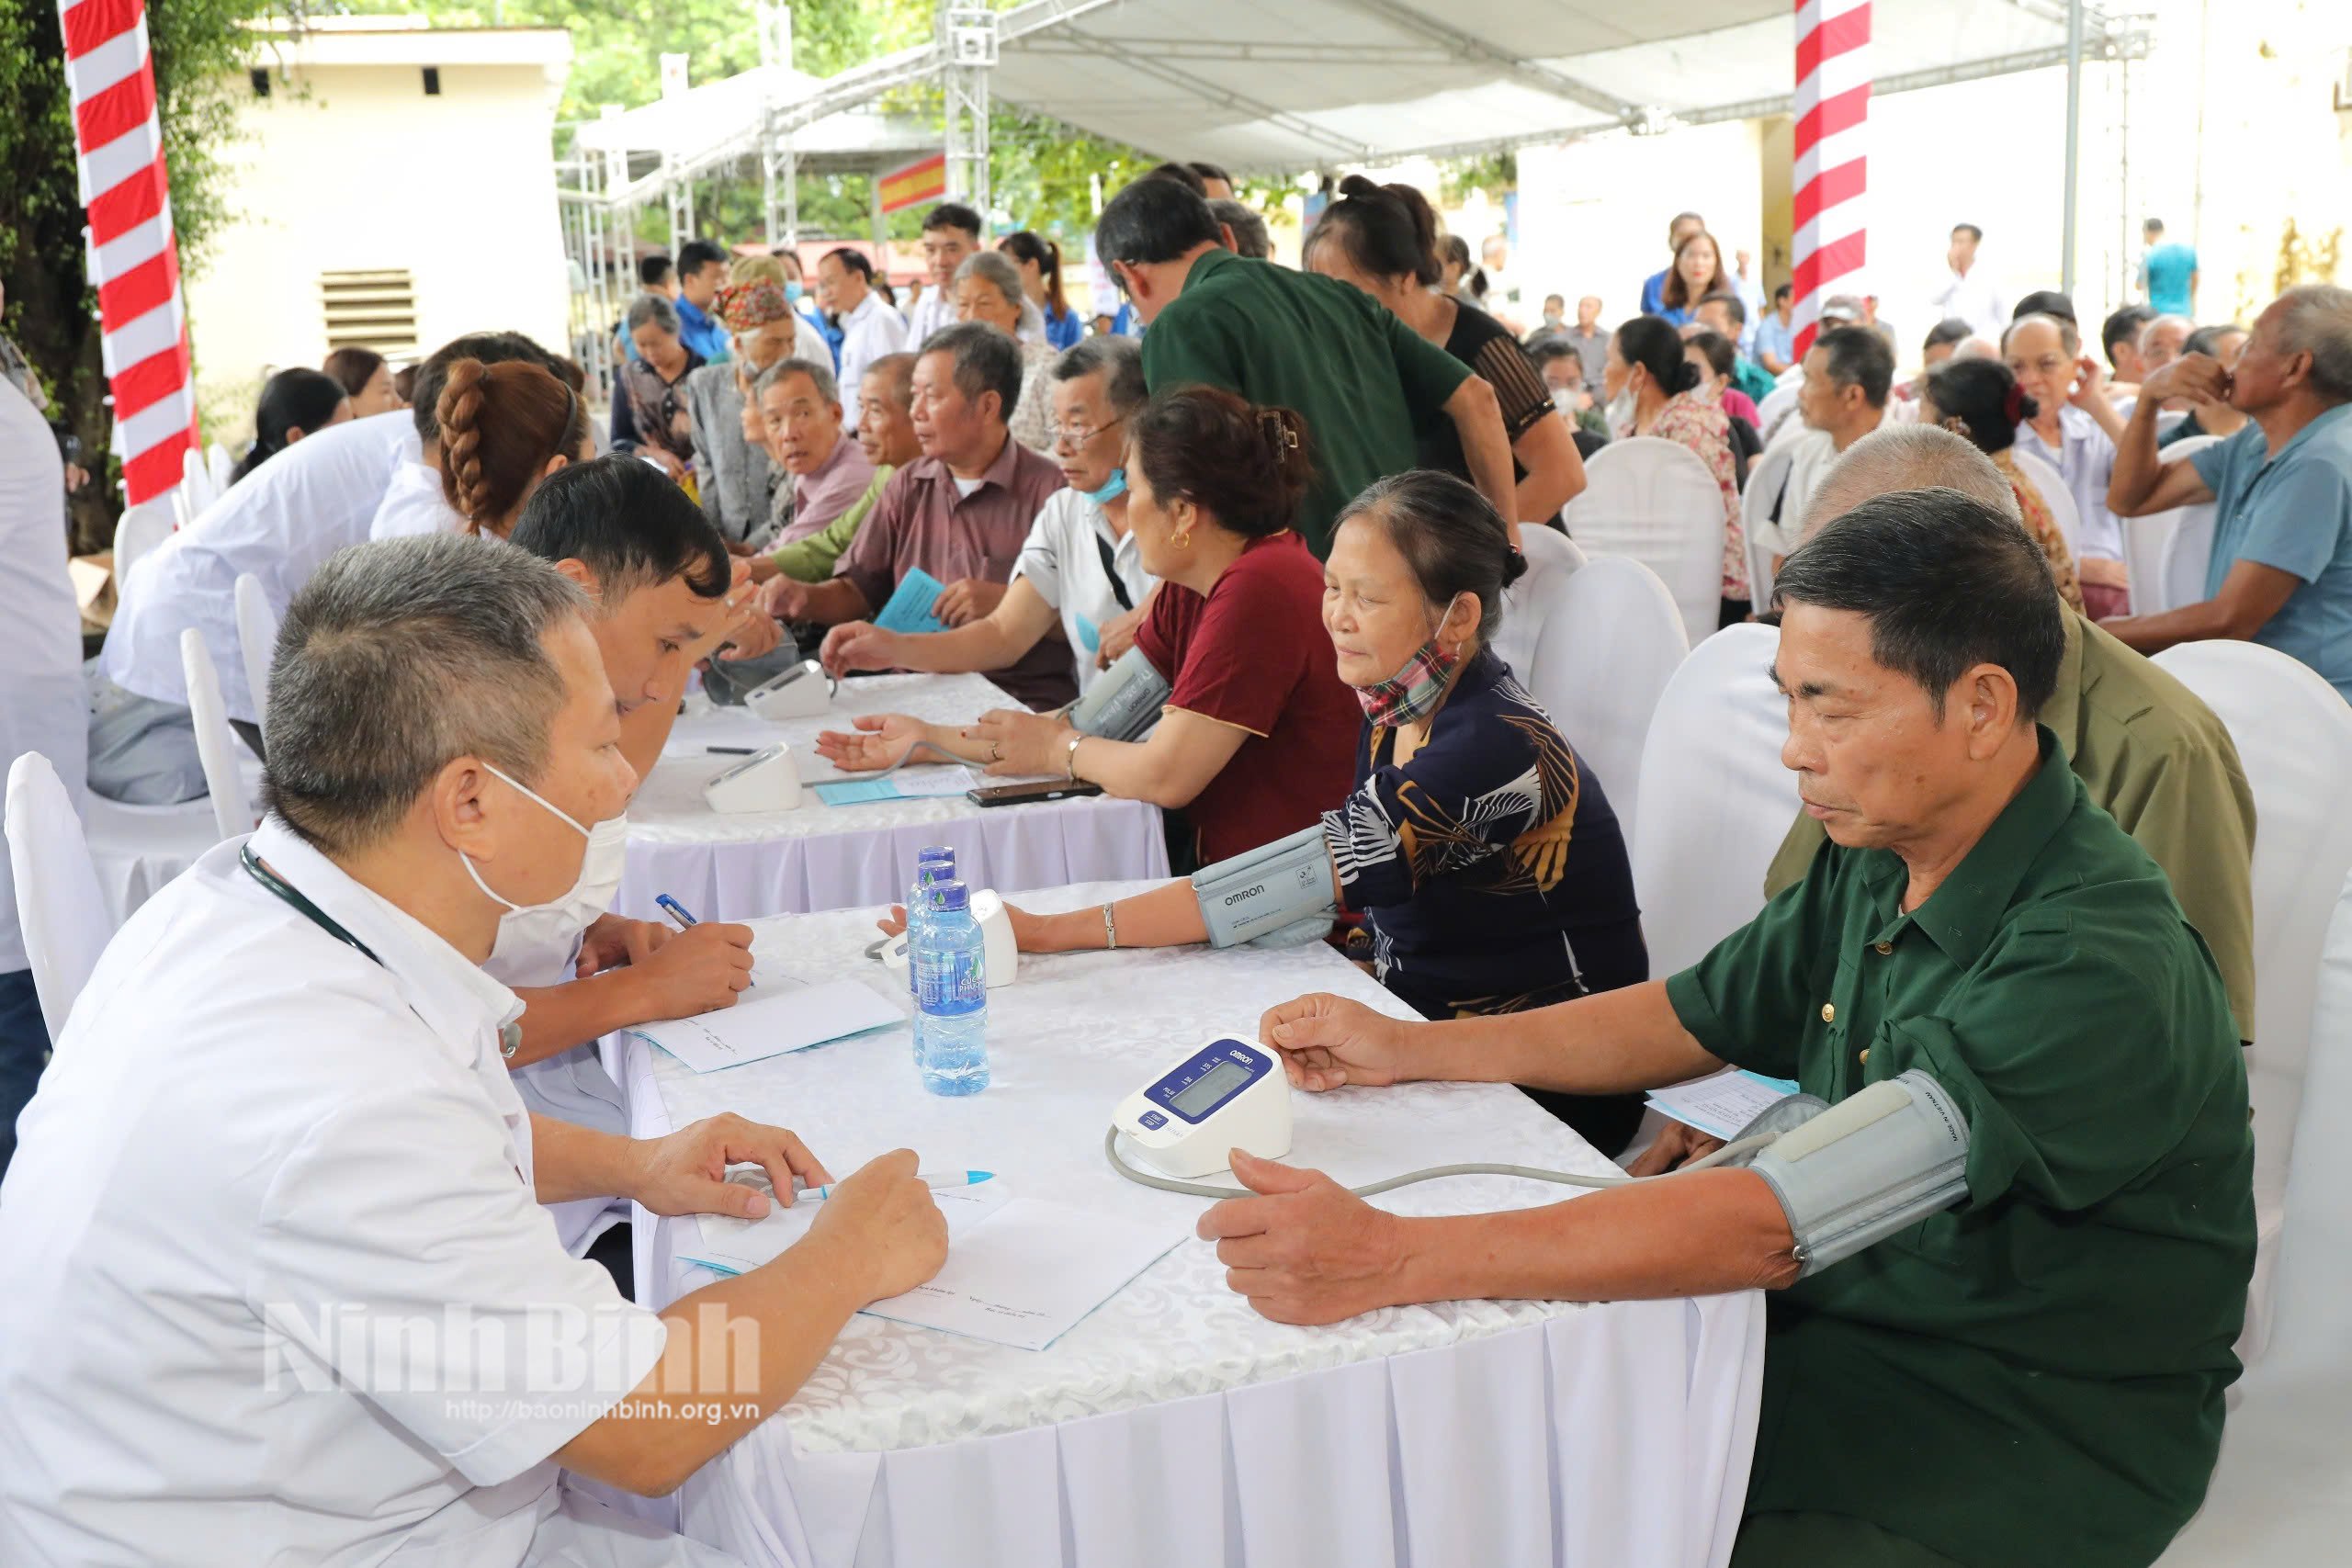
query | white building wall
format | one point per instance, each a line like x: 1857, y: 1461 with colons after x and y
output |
x: 352, y: 167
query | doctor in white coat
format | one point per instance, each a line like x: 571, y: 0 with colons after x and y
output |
x: 280, y: 1280
x: 42, y: 707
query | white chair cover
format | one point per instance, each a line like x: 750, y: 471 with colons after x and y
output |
x: 183, y: 510
x: 2294, y: 737
x: 1715, y: 801
x: 1528, y: 604
x: 216, y: 743
x: 256, y: 637
x: 2054, y: 495
x: 1776, y: 415
x: 195, y: 479
x: 1608, y: 650
x: 1765, y: 478
x: 138, y: 849
x: 221, y: 467
x: 1655, y: 500
x: 141, y: 529
x: 59, y: 907
x: 2164, y: 554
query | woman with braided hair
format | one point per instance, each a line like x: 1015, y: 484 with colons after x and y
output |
x: 505, y: 428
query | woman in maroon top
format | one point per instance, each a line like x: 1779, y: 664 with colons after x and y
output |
x: 1258, y: 738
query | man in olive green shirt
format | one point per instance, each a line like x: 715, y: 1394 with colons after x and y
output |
x: 1363, y: 380
x: 2150, y: 754
x: 2032, y: 1376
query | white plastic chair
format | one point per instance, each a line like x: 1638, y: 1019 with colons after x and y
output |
x: 1766, y: 477
x: 1529, y: 604
x: 1715, y: 800
x: 1776, y: 415
x: 1655, y: 500
x: 2282, y: 1492
x: 221, y: 467
x: 2294, y: 738
x: 256, y: 637
x: 195, y: 479
x: 2054, y: 495
x: 2164, y: 555
x: 216, y: 743
x: 139, y: 530
x: 1610, y: 646
x: 59, y: 907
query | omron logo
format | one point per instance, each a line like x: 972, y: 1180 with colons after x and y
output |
x: 1233, y: 899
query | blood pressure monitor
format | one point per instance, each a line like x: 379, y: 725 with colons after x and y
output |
x: 804, y: 691
x: 765, y: 781
x: 1230, y: 1094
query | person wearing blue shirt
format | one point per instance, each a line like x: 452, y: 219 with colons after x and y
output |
x: 2169, y: 272
x: 702, y: 272
x: 1685, y: 224
x: 1776, y: 343
x: 2281, y: 568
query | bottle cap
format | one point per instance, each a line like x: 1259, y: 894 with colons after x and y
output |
x: 949, y: 893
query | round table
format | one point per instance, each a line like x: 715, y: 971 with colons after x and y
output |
x: 742, y: 865
x: 1174, y: 1425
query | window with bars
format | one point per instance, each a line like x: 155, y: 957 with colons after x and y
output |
x: 371, y: 309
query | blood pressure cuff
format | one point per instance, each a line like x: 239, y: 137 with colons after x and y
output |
x: 1266, y: 892
x: 1850, y: 1173
x: 1124, y: 702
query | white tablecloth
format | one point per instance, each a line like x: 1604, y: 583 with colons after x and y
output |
x: 742, y: 865
x: 1174, y: 1425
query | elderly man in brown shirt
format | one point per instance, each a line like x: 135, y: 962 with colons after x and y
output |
x: 961, y: 511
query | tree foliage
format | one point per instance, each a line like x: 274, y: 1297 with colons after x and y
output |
x: 199, y: 50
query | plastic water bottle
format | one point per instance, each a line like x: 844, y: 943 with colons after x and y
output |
x: 950, y: 966
x: 934, y: 863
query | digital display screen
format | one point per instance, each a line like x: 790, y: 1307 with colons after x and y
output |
x: 1209, y: 1090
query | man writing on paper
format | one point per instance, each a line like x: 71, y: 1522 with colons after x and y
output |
x: 2005, y: 977
x: 281, y: 1283
x: 959, y: 513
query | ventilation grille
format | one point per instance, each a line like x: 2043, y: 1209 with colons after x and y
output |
x: 371, y: 309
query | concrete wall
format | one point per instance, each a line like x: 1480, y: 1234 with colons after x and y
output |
x: 352, y: 167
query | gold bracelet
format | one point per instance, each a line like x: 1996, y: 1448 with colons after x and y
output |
x: 1110, y: 931
x: 1070, y: 756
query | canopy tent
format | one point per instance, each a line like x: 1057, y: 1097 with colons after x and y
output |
x: 1284, y: 84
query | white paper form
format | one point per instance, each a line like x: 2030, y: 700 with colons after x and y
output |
x: 1720, y: 1106
x: 788, y: 1017
x: 734, y: 1246
x: 1028, y: 1275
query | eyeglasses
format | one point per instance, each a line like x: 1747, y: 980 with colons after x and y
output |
x: 1080, y: 435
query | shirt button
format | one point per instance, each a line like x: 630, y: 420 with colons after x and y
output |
x: 1828, y: 1012
x: 1883, y: 949
x: 1865, y: 1056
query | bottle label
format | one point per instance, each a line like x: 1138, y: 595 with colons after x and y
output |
x: 946, y: 981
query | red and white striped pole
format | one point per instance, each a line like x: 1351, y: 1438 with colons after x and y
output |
x: 1833, y: 108
x: 134, y: 260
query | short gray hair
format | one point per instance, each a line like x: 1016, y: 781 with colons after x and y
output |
x: 652, y: 308
x: 2070, y: 336
x: 399, y: 657
x: 2152, y: 322
x: 995, y: 270
x: 1120, y: 361
x: 819, y: 377
x: 2319, y: 322
x: 984, y: 361
x: 1908, y: 457
x: 1250, y: 236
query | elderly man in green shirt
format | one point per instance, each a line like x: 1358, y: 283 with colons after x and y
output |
x: 2151, y: 754
x: 2033, y: 1374
x: 1362, y: 379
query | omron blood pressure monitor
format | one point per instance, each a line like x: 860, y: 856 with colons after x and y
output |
x: 1230, y: 1094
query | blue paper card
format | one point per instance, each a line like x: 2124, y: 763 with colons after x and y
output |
x: 908, y: 610
x: 858, y: 792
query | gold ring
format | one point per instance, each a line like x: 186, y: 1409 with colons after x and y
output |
x: 995, y: 750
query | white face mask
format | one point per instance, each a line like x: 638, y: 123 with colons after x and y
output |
x: 536, y: 941
x: 1621, y: 414
x: 1565, y: 399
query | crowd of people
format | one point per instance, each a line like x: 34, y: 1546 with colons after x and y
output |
x: 1297, y: 495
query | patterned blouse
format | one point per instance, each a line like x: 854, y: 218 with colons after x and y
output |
x: 2043, y: 528
x: 1489, y: 867
x: 1694, y: 420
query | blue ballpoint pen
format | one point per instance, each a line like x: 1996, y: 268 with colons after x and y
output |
x: 676, y: 910
x: 938, y: 1181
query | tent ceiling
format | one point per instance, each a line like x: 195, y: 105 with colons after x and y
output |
x: 722, y: 118
x: 1290, y: 84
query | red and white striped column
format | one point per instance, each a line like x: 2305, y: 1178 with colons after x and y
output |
x: 1833, y: 108
x: 134, y: 260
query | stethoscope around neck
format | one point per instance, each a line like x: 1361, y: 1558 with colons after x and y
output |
x: 293, y: 897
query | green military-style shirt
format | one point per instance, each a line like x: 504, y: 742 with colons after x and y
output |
x: 2156, y: 760
x: 2036, y: 1376
x: 1363, y: 380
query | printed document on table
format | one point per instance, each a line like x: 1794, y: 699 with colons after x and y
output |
x: 910, y: 784
x: 733, y: 1245
x: 1720, y: 1106
x: 789, y: 1017
x: 1028, y: 1275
